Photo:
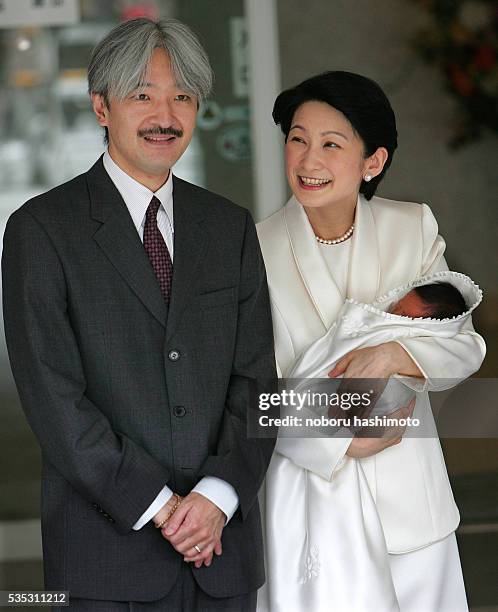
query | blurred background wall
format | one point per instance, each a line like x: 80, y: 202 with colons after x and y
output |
x: 446, y: 114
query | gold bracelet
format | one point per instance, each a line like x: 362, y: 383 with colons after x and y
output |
x: 172, y: 511
x: 175, y: 507
x: 159, y: 525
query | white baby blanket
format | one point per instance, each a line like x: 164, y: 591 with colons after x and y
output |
x: 359, y: 325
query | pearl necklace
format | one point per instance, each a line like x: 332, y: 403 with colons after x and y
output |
x: 336, y: 240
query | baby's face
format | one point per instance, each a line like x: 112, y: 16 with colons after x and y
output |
x: 409, y: 306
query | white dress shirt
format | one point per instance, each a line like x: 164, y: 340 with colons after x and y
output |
x: 137, y: 198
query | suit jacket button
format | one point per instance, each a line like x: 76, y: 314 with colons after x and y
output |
x: 174, y: 355
x: 179, y: 411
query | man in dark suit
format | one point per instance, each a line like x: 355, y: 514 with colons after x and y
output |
x: 137, y: 321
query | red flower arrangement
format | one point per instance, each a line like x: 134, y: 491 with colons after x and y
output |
x: 463, y: 42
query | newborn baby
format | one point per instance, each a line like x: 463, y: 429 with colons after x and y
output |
x: 437, y: 305
x: 434, y: 301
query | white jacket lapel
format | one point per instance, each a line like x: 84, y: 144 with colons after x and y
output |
x: 313, y: 269
x: 364, y: 265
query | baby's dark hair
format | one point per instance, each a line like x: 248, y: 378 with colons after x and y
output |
x: 443, y: 301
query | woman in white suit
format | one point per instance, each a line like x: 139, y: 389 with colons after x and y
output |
x: 351, y: 523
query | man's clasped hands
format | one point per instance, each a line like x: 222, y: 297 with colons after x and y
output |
x: 193, y: 526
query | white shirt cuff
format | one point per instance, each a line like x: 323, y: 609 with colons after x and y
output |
x: 220, y: 493
x: 164, y: 494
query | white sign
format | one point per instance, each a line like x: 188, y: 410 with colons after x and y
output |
x: 239, y: 51
x: 21, y: 13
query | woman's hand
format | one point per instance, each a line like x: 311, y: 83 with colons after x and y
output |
x: 379, y: 361
x: 362, y: 447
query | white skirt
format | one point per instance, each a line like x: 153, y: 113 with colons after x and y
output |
x: 326, y: 551
x: 430, y: 579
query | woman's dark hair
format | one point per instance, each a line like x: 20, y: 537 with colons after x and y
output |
x: 359, y: 99
x: 443, y: 300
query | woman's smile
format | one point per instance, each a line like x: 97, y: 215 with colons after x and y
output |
x: 313, y: 184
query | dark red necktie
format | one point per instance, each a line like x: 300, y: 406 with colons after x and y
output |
x: 157, y: 250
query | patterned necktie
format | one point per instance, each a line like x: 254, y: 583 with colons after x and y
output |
x: 157, y: 250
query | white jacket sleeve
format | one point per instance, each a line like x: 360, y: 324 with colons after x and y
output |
x: 444, y: 362
x: 324, y: 455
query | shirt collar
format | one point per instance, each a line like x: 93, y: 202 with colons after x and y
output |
x: 136, y: 196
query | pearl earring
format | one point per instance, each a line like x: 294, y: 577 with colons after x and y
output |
x: 367, y: 177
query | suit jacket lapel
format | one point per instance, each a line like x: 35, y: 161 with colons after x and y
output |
x: 313, y: 269
x: 118, y: 238
x: 364, y: 265
x: 190, y: 246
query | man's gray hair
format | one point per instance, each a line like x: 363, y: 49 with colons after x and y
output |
x: 119, y: 62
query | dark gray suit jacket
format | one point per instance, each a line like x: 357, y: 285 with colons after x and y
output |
x: 126, y: 395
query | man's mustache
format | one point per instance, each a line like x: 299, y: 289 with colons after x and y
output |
x: 160, y: 131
